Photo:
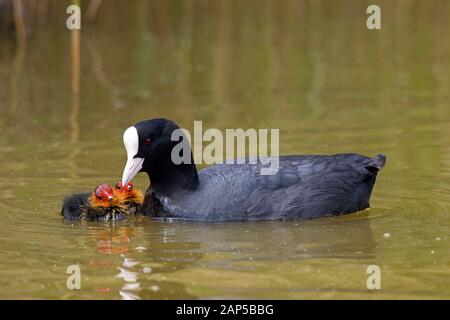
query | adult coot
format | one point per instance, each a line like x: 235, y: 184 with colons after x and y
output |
x: 304, y: 187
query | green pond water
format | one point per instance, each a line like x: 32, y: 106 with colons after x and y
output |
x: 310, y: 68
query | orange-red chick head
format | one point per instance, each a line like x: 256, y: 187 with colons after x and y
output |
x: 128, y: 192
x: 104, y: 196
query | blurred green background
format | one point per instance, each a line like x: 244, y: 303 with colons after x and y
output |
x: 310, y: 68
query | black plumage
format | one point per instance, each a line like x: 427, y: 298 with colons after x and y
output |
x: 304, y: 187
x: 74, y: 204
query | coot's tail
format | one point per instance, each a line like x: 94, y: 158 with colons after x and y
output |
x: 376, y: 163
x: 364, y: 189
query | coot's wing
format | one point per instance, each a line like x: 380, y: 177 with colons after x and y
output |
x: 315, y: 186
x: 303, y: 187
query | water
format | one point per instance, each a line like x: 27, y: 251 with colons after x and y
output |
x: 311, y: 69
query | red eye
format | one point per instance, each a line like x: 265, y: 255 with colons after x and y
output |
x: 147, y: 141
x: 119, y: 185
x: 129, y: 186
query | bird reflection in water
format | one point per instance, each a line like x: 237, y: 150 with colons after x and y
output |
x: 142, y: 259
x: 116, y: 241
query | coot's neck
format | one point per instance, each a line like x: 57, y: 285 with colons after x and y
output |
x: 170, y: 178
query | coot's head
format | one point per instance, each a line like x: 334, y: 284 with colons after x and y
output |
x: 149, y: 147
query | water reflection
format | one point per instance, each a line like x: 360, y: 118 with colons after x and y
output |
x: 137, y: 264
x: 187, y: 250
x: 175, y: 249
x: 279, y: 240
x: 150, y: 263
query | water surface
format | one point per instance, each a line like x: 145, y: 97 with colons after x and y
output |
x: 309, y: 68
